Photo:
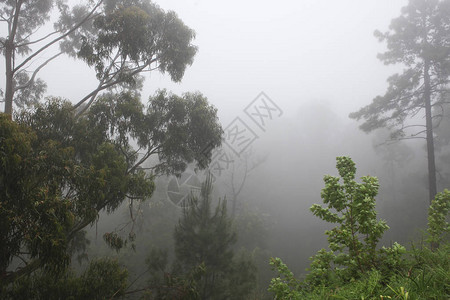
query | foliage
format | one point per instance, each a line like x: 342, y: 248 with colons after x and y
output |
x: 285, y: 286
x: 171, y: 285
x: 34, y: 217
x: 387, y: 273
x: 120, y: 39
x: 59, y: 171
x: 178, y: 130
x: 103, y: 279
x: 352, y: 206
x: 254, y: 229
x: 438, y: 227
x: 204, y: 255
x: 429, y: 273
x: 427, y: 278
x: 63, y: 164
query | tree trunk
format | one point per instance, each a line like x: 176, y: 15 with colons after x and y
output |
x: 9, y: 58
x: 9, y: 49
x: 429, y: 127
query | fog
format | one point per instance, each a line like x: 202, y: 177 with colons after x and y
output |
x: 293, y: 51
x: 316, y: 61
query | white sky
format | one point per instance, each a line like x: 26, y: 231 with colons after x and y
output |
x: 294, y: 51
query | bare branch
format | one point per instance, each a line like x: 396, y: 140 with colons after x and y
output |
x: 38, y: 40
x: 36, y: 71
x: 78, y: 25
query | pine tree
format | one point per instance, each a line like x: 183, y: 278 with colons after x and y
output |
x: 204, y: 237
x: 419, y: 40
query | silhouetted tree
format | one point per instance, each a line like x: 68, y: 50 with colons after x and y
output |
x: 205, y: 237
x: 418, y: 39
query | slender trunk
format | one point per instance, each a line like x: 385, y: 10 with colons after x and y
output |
x: 9, y: 58
x: 9, y: 92
x: 429, y: 126
x: 430, y: 139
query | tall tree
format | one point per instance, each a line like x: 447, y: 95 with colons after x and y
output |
x: 58, y: 171
x: 119, y: 38
x: 206, y: 237
x: 419, y: 40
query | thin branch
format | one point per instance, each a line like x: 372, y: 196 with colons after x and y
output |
x: 36, y: 71
x: 38, y: 40
x: 78, y: 25
x: 99, y: 89
x: 409, y: 126
x: 144, y: 158
x: 96, y: 91
x: 417, y: 133
x: 135, y: 291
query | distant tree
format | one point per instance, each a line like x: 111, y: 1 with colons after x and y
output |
x: 58, y: 171
x: 204, y: 239
x: 119, y: 38
x: 239, y: 172
x: 418, y: 39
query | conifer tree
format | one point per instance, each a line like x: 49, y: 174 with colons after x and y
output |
x: 417, y: 39
x: 206, y: 237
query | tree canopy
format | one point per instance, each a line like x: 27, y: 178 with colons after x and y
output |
x: 59, y: 170
x: 419, y: 40
x: 120, y: 39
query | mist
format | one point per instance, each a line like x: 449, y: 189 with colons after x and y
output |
x: 312, y: 63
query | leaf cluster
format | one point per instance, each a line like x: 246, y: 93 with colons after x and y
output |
x: 351, y: 206
x: 58, y: 171
x: 438, y: 227
x: 103, y: 279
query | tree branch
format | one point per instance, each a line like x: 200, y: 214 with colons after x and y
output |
x: 23, y: 86
x: 101, y: 88
x: 144, y: 158
x: 38, y: 40
x: 28, y: 269
x: 78, y: 25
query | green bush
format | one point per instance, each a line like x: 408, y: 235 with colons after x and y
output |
x: 353, y: 267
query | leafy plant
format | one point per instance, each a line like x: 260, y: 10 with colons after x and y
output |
x: 438, y: 227
x: 351, y: 206
x: 285, y: 286
x: 353, y: 268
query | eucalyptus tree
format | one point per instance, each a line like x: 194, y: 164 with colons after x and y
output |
x: 419, y: 39
x: 62, y: 164
x: 58, y: 171
x: 120, y: 39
